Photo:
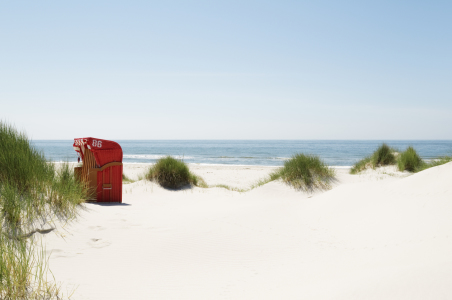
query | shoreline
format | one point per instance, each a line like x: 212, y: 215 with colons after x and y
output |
x: 205, y: 164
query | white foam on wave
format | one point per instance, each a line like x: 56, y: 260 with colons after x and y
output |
x: 155, y: 156
x: 231, y: 165
x: 194, y: 163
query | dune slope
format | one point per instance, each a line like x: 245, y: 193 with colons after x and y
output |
x: 377, y: 239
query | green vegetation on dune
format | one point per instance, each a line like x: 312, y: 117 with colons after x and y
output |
x: 126, y: 179
x: 229, y: 188
x: 305, y: 172
x: 271, y: 177
x: 33, y: 193
x: 362, y: 165
x: 173, y: 173
x: 383, y: 156
x: 409, y: 160
x: 30, y: 187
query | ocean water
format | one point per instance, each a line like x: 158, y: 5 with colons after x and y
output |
x: 247, y: 152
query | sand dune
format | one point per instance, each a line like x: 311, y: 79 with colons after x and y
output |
x: 380, y: 235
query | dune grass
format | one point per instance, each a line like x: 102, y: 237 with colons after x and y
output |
x: 409, y: 160
x: 305, y: 172
x: 383, y: 156
x: 33, y: 193
x: 363, y: 164
x: 273, y: 176
x: 24, y: 271
x: 434, y: 163
x: 173, y: 173
x: 229, y: 188
x: 126, y: 179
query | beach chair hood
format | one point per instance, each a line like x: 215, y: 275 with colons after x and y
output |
x: 104, y: 151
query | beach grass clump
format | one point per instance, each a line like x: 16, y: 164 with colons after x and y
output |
x: 33, y: 193
x: 409, y: 160
x: 173, y: 173
x: 383, y: 156
x: 306, y: 172
x: 31, y: 189
x: 362, y: 165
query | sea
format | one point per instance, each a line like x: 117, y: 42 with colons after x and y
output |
x: 338, y: 153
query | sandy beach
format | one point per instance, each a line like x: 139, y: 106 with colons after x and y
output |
x: 139, y: 145
x: 379, y: 235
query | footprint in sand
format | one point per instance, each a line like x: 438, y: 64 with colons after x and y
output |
x: 98, y: 243
x: 53, y: 251
x: 58, y: 253
x: 96, y: 228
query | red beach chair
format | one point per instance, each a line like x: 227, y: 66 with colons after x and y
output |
x: 101, y: 172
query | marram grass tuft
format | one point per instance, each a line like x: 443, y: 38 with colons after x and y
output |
x: 383, y: 156
x: 173, y: 173
x: 306, y: 172
x: 409, y: 160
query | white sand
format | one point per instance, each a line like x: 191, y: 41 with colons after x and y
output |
x: 380, y: 235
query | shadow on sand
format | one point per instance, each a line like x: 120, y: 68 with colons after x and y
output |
x: 108, y: 203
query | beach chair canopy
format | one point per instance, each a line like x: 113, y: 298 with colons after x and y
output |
x: 104, y: 151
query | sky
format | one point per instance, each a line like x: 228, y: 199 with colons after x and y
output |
x: 227, y: 69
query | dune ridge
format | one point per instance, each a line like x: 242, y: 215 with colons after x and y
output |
x: 380, y: 235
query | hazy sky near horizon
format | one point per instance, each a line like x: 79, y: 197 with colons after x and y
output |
x: 227, y: 69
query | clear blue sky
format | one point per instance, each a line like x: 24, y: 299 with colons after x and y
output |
x: 227, y: 70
